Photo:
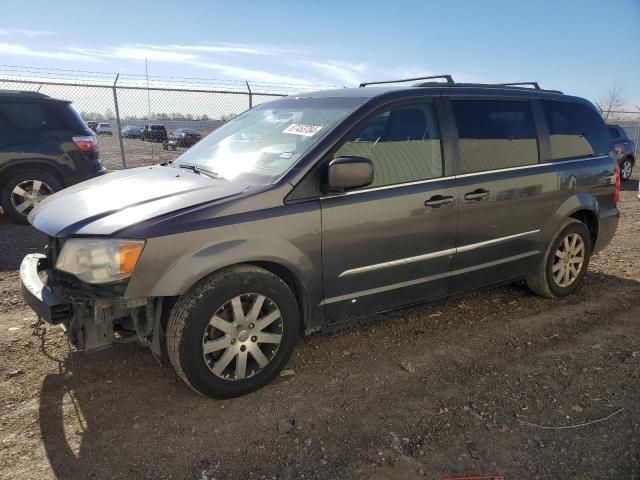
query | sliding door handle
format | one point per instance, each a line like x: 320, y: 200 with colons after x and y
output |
x: 438, y: 200
x: 477, y: 195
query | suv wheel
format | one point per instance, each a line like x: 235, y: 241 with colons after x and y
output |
x: 626, y: 168
x: 24, y: 191
x: 565, y: 262
x: 233, y: 332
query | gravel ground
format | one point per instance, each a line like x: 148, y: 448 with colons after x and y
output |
x: 426, y: 392
x: 137, y: 153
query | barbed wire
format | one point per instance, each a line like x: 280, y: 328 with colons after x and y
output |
x: 86, y: 77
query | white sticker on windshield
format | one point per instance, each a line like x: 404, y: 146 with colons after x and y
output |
x: 304, y: 130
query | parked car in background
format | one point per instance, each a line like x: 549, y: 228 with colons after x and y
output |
x: 131, y: 131
x: 155, y: 132
x: 44, y: 147
x: 625, y: 149
x: 104, y: 129
x: 313, y: 211
x: 182, y: 137
x: 92, y: 125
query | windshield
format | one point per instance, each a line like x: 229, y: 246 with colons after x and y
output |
x: 260, y: 145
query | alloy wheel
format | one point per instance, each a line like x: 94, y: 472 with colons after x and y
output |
x: 242, y: 336
x: 626, y: 169
x: 568, y: 260
x: 28, y: 194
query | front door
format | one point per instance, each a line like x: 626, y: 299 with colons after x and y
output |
x: 506, y: 195
x: 391, y: 243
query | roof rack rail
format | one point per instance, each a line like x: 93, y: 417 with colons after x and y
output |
x: 517, y: 85
x: 448, y: 78
x: 535, y: 85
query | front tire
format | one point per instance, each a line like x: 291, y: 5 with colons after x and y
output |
x: 565, y: 262
x: 24, y: 191
x: 626, y: 169
x: 233, y: 332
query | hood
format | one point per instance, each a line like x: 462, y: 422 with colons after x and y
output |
x: 109, y: 203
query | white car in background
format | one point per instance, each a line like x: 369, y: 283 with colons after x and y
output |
x: 104, y: 129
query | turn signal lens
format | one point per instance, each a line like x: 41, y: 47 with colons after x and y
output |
x: 128, y: 256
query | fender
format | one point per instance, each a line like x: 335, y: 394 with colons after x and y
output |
x: 24, y: 163
x: 170, y: 265
x: 570, y: 205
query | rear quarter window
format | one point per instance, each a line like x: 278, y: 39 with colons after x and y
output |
x: 575, y: 130
x: 39, y: 116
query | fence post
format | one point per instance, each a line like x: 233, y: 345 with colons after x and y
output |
x: 250, y: 96
x: 115, y: 103
x: 635, y: 154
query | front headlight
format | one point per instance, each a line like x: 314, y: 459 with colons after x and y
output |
x: 99, y: 260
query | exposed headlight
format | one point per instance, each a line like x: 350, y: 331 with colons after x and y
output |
x: 99, y: 260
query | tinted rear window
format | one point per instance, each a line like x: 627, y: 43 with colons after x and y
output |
x: 495, y: 134
x: 39, y: 116
x: 575, y: 130
x: 157, y: 127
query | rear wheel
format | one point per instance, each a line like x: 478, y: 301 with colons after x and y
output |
x: 24, y: 191
x: 626, y: 169
x: 233, y: 332
x: 565, y: 263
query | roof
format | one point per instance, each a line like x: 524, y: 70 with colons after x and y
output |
x: 28, y: 95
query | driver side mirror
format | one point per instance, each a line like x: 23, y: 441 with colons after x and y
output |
x: 345, y: 173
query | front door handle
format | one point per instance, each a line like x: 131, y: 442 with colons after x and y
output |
x: 477, y: 195
x: 437, y: 201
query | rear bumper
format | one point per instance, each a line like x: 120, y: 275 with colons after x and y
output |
x: 39, y: 296
x: 607, y: 224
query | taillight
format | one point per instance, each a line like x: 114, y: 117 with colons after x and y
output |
x: 616, y: 195
x: 86, y: 143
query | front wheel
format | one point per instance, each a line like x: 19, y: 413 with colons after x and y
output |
x: 233, y: 332
x: 626, y: 168
x: 565, y: 262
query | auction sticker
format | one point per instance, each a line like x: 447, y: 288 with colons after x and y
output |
x: 304, y: 130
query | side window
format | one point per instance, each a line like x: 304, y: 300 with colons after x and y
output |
x: 495, y: 134
x: 402, y: 143
x: 575, y: 130
x: 23, y: 115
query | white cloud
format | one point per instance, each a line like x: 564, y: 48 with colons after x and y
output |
x: 21, y: 50
x: 16, y: 32
x: 258, y: 63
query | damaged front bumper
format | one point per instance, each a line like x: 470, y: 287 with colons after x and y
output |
x: 88, y: 320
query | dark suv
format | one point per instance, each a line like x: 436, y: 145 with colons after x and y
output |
x: 316, y: 210
x: 625, y: 149
x: 44, y: 147
x: 154, y: 132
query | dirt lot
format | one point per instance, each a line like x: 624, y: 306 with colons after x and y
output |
x: 478, y: 369
x: 137, y: 153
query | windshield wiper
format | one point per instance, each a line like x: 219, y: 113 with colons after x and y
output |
x: 208, y: 173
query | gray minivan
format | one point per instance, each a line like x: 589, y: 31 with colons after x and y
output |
x: 314, y: 210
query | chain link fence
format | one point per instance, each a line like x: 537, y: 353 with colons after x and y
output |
x: 134, y: 100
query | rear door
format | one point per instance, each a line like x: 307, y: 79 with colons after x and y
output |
x: 506, y: 194
x: 391, y: 243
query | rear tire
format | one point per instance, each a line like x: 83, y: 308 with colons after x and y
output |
x: 25, y: 190
x: 564, y: 263
x: 233, y: 332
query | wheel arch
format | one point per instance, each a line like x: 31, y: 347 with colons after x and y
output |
x: 16, y: 166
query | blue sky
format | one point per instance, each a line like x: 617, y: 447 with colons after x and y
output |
x: 583, y: 47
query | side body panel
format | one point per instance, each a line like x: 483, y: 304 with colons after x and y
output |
x: 384, y: 248
x: 498, y: 237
